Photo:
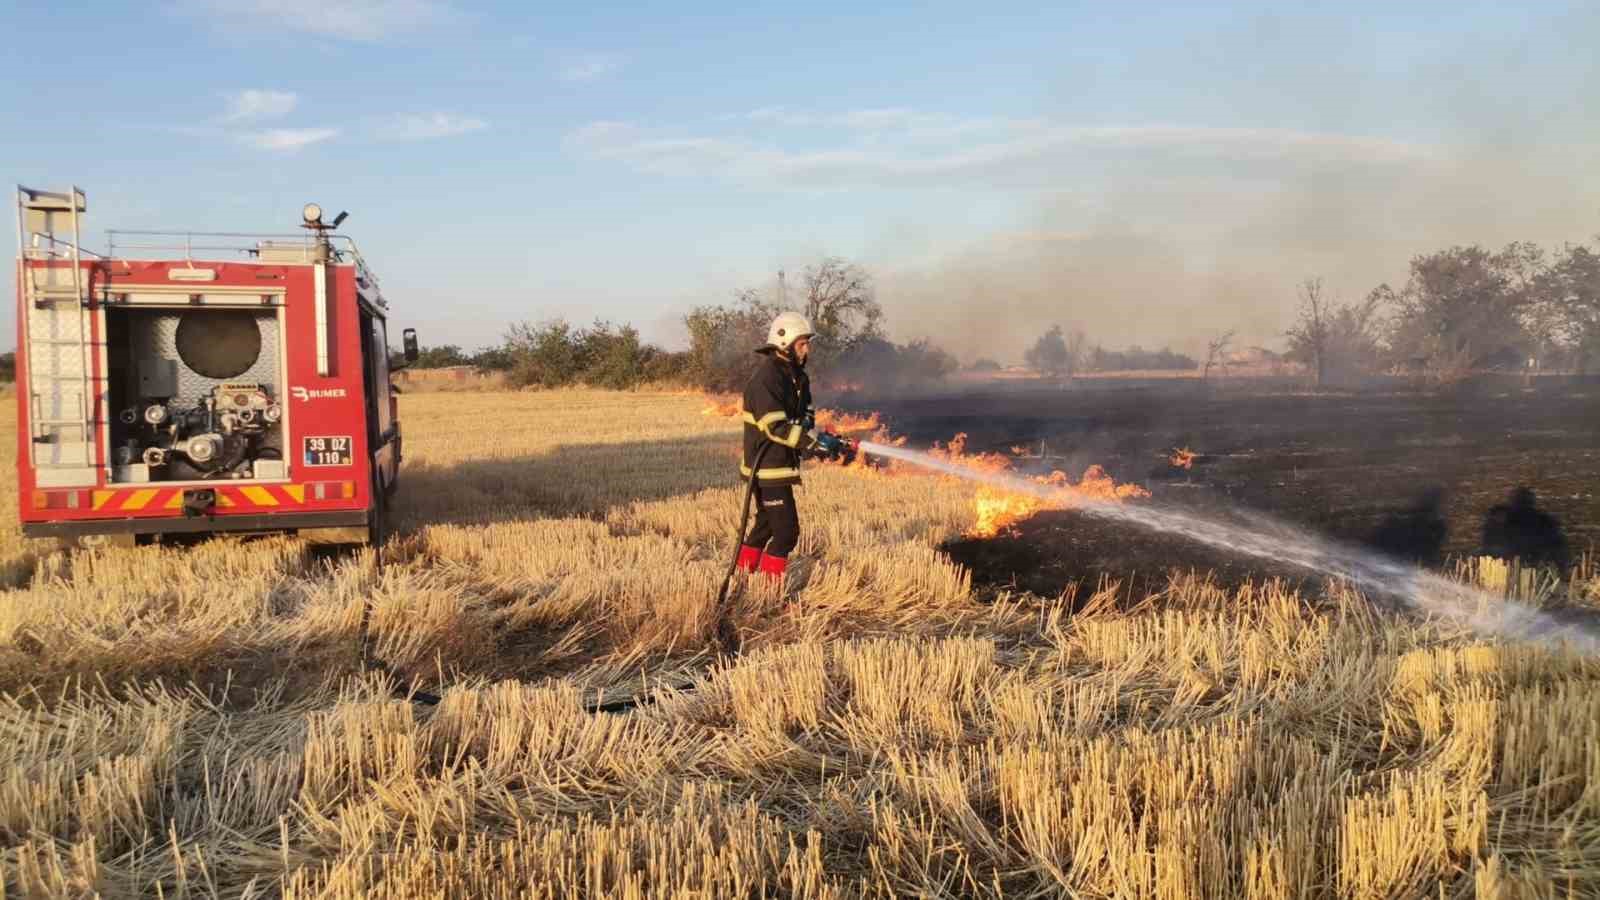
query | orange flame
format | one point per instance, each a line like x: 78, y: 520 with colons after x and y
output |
x: 1096, y: 484
x: 723, y: 407
x: 998, y: 511
x: 847, y: 423
x: 1182, y: 458
x: 956, y: 453
x: 869, y: 427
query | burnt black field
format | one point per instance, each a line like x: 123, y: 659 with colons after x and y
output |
x: 1498, y: 466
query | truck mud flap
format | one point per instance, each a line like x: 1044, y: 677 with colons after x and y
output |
x: 348, y: 518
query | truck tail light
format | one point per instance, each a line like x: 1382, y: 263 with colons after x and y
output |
x: 58, y: 499
x: 332, y: 490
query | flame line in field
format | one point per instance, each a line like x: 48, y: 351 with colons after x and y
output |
x: 1277, y: 541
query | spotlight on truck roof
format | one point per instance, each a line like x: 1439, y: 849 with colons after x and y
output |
x: 312, y: 213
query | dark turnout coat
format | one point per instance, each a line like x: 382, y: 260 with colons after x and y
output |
x: 777, y: 408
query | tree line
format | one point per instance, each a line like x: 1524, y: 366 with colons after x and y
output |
x: 836, y: 295
x: 1060, y: 353
x: 839, y: 298
x: 1460, y: 310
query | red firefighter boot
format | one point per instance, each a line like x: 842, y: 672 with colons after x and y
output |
x: 773, y: 566
x: 749, y: 558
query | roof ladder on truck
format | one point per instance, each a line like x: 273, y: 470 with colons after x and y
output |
x: 56, y: 343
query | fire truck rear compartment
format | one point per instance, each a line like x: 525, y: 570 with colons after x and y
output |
x: 195, y: 394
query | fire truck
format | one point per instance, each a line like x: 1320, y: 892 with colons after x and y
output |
x: 187, y: 382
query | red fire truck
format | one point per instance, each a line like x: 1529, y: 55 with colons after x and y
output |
x: 189, y: 382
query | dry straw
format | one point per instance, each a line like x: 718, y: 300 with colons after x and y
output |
x: 193, y: 723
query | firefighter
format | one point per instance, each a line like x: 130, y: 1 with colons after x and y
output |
x: 778, y: 414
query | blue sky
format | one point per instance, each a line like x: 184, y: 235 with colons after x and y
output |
x: 1150, y: 174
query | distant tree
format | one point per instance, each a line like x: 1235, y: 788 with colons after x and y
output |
x: 870, y: 362
x: 553, y: 354
x: 1566, y: 313
x: 836, y: 295
x: 1547, y: 319
x: 668, y: 368
x: 1217, y: 353
x: 8, y: 366
x: 493, y: 359
x: 1464, y: 307
x: 1165, y: 360
x: 876, y: 363
x: 984, y: 364
x: 543, y: 355
x: 1334, y: 338
x: 1308, y: 339
x: 612, y: 356
x: 1077, y: 347
x: 1049, y: 354
x: 924, y: 360
x: 441, y: 356
x: 1097, y: 359
x: 1136, y: 358
x: 842, y: 305
x: 722, y: 340
x: 1355, y: 334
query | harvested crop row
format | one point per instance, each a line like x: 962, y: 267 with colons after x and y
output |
x: 888, y: 733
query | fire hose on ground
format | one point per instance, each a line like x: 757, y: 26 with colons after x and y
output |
x: 727, y: 639
x: 725, y: 634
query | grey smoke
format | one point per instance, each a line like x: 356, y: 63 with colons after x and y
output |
x: 1486, y: 137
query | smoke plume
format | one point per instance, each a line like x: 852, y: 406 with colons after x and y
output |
x: 1171, y: 235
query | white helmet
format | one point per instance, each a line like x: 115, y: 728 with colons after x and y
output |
x: 787, y: 328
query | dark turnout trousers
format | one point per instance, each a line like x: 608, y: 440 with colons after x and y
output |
x: 777, y: 528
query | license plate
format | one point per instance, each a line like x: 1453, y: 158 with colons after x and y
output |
x: 327, y: 451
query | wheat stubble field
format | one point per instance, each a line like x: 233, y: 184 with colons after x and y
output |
x: 194, y: 721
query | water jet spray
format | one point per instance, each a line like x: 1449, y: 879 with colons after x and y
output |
x: 1270, y: 539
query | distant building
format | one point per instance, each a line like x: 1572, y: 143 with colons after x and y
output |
x: 1252, y: 356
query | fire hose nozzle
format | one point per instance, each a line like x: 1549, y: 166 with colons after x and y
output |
x: 834, y: 446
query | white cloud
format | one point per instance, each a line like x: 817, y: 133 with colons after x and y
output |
x: 589, y: 67
x: 246, y: 111
x: 287, y: 140
x: 892, y: 144
x: 907, y: 122
x: 253, y: 105
x: 354, y: 20
x: 427, y: 127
